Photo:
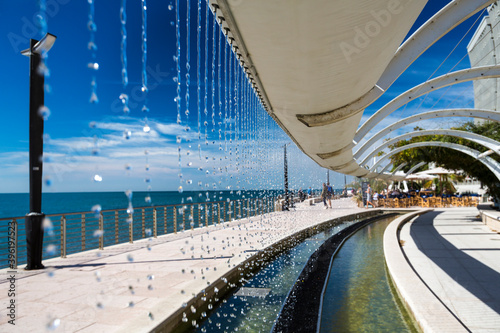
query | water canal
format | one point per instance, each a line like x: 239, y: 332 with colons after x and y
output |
x: 357, y: 298
x: 358, y: 295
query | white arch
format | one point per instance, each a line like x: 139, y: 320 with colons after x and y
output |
x: 476, y: 113
x: 464, y: 75
x: 482, y: 140
x: 490, y: 163
x: 430, y: 32
x: 400, y: 177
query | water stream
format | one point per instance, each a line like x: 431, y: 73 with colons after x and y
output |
x: 358, y: 296
x: 258, y: 313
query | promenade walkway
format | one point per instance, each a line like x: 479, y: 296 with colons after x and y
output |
x: 134, y: 287
x: 457, y: 258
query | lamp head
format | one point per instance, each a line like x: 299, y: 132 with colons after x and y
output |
x: 42, y: 46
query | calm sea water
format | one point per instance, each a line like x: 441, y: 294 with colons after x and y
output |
x: 17, y: 204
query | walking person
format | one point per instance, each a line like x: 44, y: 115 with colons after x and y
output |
x: 329, y: 194
x: 369, y: 197
x: 324, y: 192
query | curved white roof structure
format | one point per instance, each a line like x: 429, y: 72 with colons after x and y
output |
x: 316, y: 64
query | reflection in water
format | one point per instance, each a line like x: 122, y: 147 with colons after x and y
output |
x: 358, y: 297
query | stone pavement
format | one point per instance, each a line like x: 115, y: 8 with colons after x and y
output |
x: 134, y: 287
x: 457, y: 257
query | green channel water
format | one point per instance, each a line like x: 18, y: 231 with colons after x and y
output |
x: 358, y: 296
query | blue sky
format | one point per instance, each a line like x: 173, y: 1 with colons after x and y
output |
x: 70, y: 139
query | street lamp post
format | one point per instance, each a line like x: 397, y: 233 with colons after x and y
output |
x: 33, y: 220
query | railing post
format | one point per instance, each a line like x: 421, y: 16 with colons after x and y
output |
x: 192, y: 217
x: 83, y: 233
x: 230, y: 210
x: 199, y: 216
x: 131, y: 228
x: 224, y: 213
x: 63, y: 236
x: 175, y: 220
x: 116, y: 228
x: 206, y: 215
x: 183, y: 218
x: 218, y: 212
x: 101, y: 228
x: 248, y: 208
x: 165, y: 220
x: 213, y: 214
x: 143, y: 223
x: 155, y: 231
x: 239, y: 209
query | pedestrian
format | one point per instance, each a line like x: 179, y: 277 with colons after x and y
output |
x: 329, y: 194
x: 309, y: 192
x: 324, y: 193
x: 375, y: 198
x: 369, y: 197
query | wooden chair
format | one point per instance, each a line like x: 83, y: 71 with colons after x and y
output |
x: 422, y: 202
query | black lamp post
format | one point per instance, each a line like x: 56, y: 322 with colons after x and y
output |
x: 33, y: 220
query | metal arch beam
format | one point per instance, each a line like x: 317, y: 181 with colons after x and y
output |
x: 393, y: 175
x: 476, y: 113
x: 476, y: 73
x: 430, y: 32
x: 482, y: 140
x: 415, y: 167
x: 490, y: 163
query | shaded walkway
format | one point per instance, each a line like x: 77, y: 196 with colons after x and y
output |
x: 457, y: 257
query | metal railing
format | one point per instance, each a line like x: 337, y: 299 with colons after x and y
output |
x: 75, y: 232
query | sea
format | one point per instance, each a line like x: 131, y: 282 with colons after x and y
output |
x: 17, y: 204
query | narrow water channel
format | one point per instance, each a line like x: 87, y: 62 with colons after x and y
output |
x: 358, y: 295
x: 257, y: 313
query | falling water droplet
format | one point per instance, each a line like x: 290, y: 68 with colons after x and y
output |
x: 53, y: 324
x: 96, y: 209
x: 44, y: 112
x: 127, y: 134
x: 47, y: 226
x: 130, y: 258
x: 93, y: 98
x: 51, y: 249
x: 93, y: 65
x: 98, y: 233
x: 97, y: 178
x: 50, y: 272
